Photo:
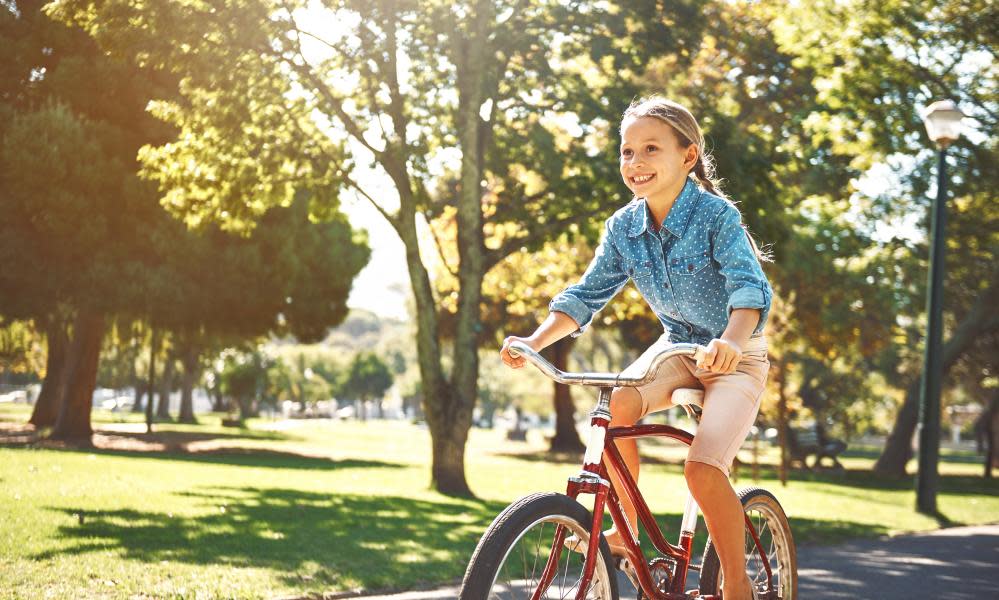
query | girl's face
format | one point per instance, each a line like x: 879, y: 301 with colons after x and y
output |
x: 653, y: 164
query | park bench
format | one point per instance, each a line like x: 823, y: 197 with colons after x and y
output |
x: 805, y: 442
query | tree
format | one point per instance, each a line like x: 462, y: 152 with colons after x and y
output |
x: 71, y: 201
x: 367, y: 378
x: 437, y: 102
x: 923, y: 52
x: 243, y: 378
x: 77, y: 219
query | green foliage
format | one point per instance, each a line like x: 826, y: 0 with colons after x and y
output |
x: 367, y: 378
x: 243, y: 378
x: 304, y: 380
x: 875, y: 66
x: 21, y: 349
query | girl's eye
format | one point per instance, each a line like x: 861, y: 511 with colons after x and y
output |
x: 626, y: 153
x: 651, y: 148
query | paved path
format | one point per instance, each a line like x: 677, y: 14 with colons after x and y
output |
x: 960, y: 563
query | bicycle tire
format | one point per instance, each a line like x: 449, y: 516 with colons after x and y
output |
x: 763, y: 509
x: 482, y: 579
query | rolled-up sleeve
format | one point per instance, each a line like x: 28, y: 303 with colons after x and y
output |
x: 603, y: 279
x: 745, y: 282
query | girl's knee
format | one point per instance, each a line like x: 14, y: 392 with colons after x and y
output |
x: 699, y: 474
x: 625, y: 406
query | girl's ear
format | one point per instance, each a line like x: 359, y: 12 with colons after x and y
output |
x: 690, y: 158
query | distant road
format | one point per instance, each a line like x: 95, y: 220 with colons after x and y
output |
x: 960, y: 563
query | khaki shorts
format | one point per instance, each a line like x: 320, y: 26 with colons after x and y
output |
x: 731, y: 401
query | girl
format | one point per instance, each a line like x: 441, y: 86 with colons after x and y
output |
x: 689, y: 255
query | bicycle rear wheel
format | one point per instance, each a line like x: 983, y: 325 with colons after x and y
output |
x: 771, y: 525
x: 511, y: 556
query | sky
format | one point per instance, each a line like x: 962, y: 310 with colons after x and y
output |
x: 383, y: 285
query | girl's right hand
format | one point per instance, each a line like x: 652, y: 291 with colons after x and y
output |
x: 509, y: 360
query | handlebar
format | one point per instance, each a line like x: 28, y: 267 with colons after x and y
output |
x: 606, y: 379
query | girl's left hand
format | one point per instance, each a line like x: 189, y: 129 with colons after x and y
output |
x: 722, y: 356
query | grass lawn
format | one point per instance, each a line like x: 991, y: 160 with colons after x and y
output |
x: 288, y: 509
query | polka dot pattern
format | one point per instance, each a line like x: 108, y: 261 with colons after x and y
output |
x: 693, y: 272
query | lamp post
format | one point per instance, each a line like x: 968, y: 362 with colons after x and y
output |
x: 943, y: 123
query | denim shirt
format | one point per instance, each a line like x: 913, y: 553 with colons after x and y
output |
x: 693, y: 272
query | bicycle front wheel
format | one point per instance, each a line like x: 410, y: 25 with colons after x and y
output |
x: 772, y: 527
x: 511, y: 557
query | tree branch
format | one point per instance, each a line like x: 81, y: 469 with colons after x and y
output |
x: 510, y: 245
x: 440, y: 247
x: 306, y: 70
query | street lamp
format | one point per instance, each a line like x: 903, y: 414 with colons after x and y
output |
x: 943, y: 124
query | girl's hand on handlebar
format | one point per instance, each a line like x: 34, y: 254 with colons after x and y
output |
x: 509, y: 360
x: 721, y: 356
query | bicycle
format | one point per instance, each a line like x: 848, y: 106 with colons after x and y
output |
x: 506, y: 560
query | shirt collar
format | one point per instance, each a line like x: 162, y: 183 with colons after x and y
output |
x: 678, y: 217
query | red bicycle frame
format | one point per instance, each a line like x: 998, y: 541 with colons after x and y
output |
x: 594, y: 480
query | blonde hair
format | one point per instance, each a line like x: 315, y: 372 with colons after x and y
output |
x: 687, y: 132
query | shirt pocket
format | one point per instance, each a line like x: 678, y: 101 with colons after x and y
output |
x: 640, y: 270
x: 689, y: 265
x: 642, y: 273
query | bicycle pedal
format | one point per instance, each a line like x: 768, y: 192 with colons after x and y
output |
x: 624, y: 565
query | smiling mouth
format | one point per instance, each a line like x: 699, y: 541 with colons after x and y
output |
x: 642, y: 179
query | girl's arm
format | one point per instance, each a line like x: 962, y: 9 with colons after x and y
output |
x: 572, y: 310
x: 741, y: 323
x: 603, y: 279
x: 747, y: 287
x: 745, y: 282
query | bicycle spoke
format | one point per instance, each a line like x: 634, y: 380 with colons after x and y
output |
x: 565, y: 573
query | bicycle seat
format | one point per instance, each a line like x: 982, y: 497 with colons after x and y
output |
x: 688, y: 397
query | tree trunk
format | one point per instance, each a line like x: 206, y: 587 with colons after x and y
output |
x: 73, y: 423
x: 46, y: 409
x: 247, y: 407
x: 448, y: 404
x: 218, y: 400
x: 140, y: 393
x: 437, y: 396
x: 151, y: 387
x: 166, y: 385
x: 783, y: 422
x: 448, y: 467
x: 190, y: 376
x: 987, y: 434
x: 566, y: 438
x: 898, y: 447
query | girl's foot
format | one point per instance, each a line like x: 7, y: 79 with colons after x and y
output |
x: 746, y: 591
x: 614, y: 540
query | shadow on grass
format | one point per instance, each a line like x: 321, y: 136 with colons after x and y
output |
x: 946, y: 455
x: 181, y: 438
x: 310, y: 540
x: 315, y: 541
x: 252, y: 457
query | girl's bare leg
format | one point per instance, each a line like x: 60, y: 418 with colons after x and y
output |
x: 626, y: 409
x: 726, y: 523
